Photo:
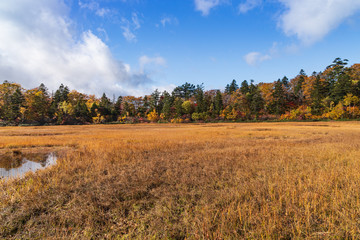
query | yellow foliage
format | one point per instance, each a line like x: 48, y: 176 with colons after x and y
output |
x: 122, y: 119
x: 233, y: 115
x: 98, y: 118
x: 153, y: 116
x: 336, y: 113
x: 177, y: 120
x: 301, y: 113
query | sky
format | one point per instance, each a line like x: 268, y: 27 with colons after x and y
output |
x: 132, y: 47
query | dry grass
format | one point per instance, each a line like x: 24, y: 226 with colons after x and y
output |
x: 207, y: 181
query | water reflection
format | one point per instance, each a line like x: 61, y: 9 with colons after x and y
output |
x: 16, y: 165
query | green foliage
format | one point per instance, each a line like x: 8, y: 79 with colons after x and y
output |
x: 278, y: 94
x: 184, y: 91
x: 232, y: 87
x: 188, y: 107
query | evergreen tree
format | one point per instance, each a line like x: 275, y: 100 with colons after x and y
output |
x: 105, y: 105
x: 244, y: 89
x: 184, y: 91
x: 166, y: 109
x: 61, y: 94
x: 117, y: 106
x: 218, y: 102
x: 178, y: 107
x: 278, y: 94
x: 154, y: 101
x: 200, y: 100
x: 316, y: 97
x: 336, y: 73
x: 298, y: 88
x: 341, y: 87
x: 232, y: 87
x: 81, y: 112
x: 255, y: 99
x: 94, y: 109
x: 17, y: 101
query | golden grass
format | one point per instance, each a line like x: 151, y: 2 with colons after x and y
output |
x: 193, y: 181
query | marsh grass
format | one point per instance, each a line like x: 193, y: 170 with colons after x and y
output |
x: 193, y: 181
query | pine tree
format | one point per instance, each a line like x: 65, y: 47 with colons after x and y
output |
x: 232, y: 87
x: 278, y: 104
x: 154, y: 101
x: 244, y: 89
x: 166, y: 109
x: 104, y: 106
x: 218, y: 102
x: 255, y: 99
x: 316, y: 97
x: 200, y: 100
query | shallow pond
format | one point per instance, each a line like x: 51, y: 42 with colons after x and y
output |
x: 17, y: 165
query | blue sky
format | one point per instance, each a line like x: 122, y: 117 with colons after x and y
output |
x: 131, y: 47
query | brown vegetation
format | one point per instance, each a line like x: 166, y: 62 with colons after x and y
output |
x: 204, y: 181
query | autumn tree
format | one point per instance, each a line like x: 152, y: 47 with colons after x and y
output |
x: 11, y: 102
x: 37, y: 104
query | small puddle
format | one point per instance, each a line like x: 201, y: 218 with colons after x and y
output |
x: 12, y: 166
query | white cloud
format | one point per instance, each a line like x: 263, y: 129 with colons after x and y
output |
x: 129, y: 27
x: 102, y: 32
x: 311, y: 20
x: 135, y: 20
x: 254, y: 58
x: 169, y: 20
x: 204, y: 6
x: 95, y: 7
x: 165, y: 20
x: 128, y: 34
x: 38, y: 45
x: 155, y: 61
x: 248, y: 5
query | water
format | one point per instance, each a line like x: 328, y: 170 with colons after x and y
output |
x: 16, y: 166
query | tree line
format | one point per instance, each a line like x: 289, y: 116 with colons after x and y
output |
x: 331, y: 94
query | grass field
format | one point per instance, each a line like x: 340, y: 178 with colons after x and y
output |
x: 193, y: 181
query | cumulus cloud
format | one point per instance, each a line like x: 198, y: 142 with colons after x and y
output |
x: 248, y: 5
x: 311, y: 20
x: 38, y: 44
x: 204, y: 6
x: 254, y: 58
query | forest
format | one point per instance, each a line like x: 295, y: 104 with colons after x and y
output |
x: 331, y: 94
